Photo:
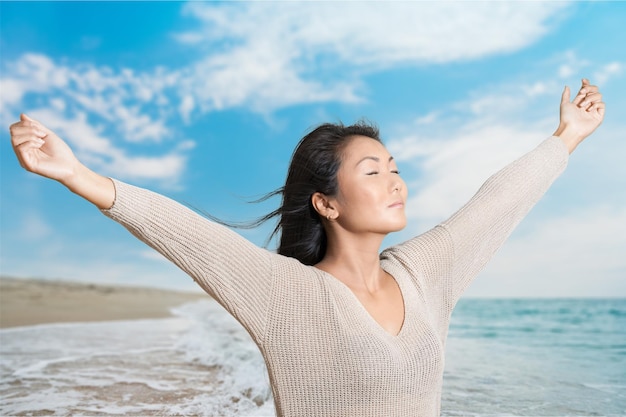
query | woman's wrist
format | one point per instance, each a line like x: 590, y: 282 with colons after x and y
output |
x: 93, y: 187
x: 569, y: 136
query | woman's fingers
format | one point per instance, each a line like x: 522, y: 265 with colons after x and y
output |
x: 586, y: 89
x: 589, y: 100
x: 22, y: 139
x: 27, y: 124
x: 21, y: 134
x: 588, y: 96
x: 598, y: 106
x: 27, y: 139
x: 25, y: 147
x: 21, y: 128
x: 28, y: 153
x: 565, y: 96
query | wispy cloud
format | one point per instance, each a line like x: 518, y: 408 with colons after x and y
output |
x: 607, y: 72
x: 450, y: 170
x: 287, y: 53
x: 96, y: 149
x: 559, y: 251
x: 277, y: 55
x: 99, y: 111
x: 456, y: 148
x: 371, y: 33
x: 561, y: 255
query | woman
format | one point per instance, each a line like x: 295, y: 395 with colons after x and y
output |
x: 344, y: 330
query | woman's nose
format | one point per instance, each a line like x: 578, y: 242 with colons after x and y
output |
x: 396, y: 184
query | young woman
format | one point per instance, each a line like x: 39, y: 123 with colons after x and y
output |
x: 344, y: 329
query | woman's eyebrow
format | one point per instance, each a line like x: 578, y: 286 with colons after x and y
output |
x: 373, y: 158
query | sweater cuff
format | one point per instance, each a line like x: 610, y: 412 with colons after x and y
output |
x: 117, y: 200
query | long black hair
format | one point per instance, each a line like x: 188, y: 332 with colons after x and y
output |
x: 313, y: 168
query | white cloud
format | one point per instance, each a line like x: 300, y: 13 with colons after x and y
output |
x: 566, y: 71
x: 577, y: 236
x: 604, y: 74
x: 427, y: 119
x: 186, y: 107
x: 31, y: 73
x: 99, y: 152
x: 265, y: 59
x: 163, y: 167
x: 96, y: 110
x: 258, y: 78
x: 270, y: 55
x: 451, y: 170
x: 374, y: 33
x: 574, y: 64
x: 469, y: 140
x: 578, y: 252
x: 274, y: 55
x: 571, y: 63
x: 122, y: 97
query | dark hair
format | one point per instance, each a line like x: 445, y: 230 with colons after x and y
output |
x: 313, y: 168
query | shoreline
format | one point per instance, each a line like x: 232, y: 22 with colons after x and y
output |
x: 29, y: 301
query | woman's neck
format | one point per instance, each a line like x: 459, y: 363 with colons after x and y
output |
x: 355, y: 262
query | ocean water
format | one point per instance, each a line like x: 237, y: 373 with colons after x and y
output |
x: 504, y: 358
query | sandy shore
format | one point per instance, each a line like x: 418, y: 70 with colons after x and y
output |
x: 25, y: 302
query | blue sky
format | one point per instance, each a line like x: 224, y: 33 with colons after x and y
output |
x: 204, y: 102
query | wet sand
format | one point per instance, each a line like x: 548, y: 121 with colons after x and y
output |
x: 25, y: 302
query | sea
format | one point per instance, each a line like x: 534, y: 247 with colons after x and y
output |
x: 504, y: 357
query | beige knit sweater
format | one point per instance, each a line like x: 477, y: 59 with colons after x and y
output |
x: 326, y: 356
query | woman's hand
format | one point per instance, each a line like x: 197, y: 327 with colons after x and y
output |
x: 41, y: 151
x: 581, y: 116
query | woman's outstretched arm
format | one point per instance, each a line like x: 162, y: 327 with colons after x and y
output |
x: 480, y: 227
x: 461, y: 246
x: 41, y: 151
x: 231, y: 269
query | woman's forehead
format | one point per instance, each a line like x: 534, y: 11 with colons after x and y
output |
x: 361, y: 147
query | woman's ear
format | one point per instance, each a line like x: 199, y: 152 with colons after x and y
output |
x: 324, y: 206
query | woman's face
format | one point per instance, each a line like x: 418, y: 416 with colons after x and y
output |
x: 372, y: 195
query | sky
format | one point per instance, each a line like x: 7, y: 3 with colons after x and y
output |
x: 205, y: 101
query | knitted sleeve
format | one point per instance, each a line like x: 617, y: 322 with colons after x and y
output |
x: 231, y: 269
x: 482, y: 225
x: 445, y: 259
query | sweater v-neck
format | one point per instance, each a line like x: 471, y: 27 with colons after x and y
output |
x: 365, y: 318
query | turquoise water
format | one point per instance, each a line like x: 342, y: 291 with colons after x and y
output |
x: 503, y: 358
x: 558, y: 357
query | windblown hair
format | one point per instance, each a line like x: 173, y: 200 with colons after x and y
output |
x: 313, y: 168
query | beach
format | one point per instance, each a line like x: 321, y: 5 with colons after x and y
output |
x: 26, y: 302
x: 71, y: 348
x: 96, y: 350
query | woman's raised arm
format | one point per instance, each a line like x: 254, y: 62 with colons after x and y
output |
x: 481, y: 226
x: 470, y: 237
x: 41, y: 151
x: 231, y: 269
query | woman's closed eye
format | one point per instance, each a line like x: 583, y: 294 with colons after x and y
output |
x: 393, y: 171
